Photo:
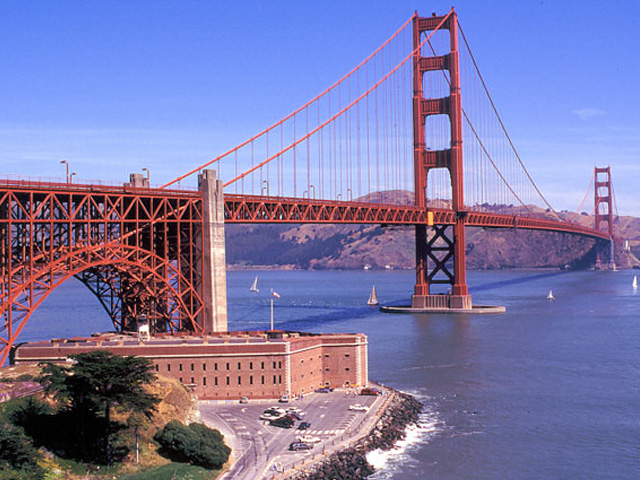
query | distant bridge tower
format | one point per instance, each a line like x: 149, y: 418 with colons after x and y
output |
x: 434, y: 255
x: 603, y: 201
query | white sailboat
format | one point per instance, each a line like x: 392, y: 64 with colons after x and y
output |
x: 373, y: 298
x: 254, y: 285
x: 550, y: 295
x: 635, y: 282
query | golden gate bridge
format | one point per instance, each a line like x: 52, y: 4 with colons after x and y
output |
x: 411, y: 136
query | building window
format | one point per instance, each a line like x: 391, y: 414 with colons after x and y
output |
x: 250, y: 365
x: 274, y: 365
x: 274, y: 379
x: 239, y: 380
x: 279, y: 378
x: 279, y: 364
x: 239, y: 366
x: 180, y: 367
x: 326, y: 369
x: 251, y: 380
x: 157, y: 366
x: 215, y: 381
x: 215, y: 367
x: 204, y: 381
x: 228, y: 380
x: 180, y: 379
x: 262, y: 365
x: 168, y: 367
x: 192, y: 367
x: 326, y: 356
x: 192, y: 382
x: 227, y: 365
x: 204, y: 367
x: 347, y: 369
x: 262, y: 379
x: 346, y: 355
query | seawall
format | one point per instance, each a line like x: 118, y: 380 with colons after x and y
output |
x: 351, y: 463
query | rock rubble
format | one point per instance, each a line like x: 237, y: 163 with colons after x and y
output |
x: 351, y: 463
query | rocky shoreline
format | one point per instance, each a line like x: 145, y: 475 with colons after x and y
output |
x: 351, y: 463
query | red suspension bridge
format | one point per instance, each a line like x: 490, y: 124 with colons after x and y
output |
x: 395, y: 141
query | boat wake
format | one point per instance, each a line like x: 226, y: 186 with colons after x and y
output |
x: 388, y: 462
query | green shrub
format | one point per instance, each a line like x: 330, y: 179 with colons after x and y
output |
x: 196, y: 444
x: 18, y: 454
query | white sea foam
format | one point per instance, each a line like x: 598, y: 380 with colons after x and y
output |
x: 386, y: 462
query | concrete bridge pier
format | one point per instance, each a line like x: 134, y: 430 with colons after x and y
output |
x: 214, y: 271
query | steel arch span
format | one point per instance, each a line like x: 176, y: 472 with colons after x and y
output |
x: 137, y: 251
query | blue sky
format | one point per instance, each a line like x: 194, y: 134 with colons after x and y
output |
x: 115, y: 86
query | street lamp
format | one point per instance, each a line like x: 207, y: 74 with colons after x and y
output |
x: 71, y: 177
x: 266, y: 182
x: 67, y: 165
x: 145, y: 169
x: 314, y: 191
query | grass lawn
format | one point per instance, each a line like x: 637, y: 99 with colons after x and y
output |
x: 175, y: 471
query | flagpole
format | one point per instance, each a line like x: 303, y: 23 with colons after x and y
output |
x: 272, y: 309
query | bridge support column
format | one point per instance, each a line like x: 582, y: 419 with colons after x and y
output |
x: 603, y: 202
x: 440, y: 259
x: 214, y: 270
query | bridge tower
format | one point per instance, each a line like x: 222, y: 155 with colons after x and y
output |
x: 447, y: 243
x: 603, y: 201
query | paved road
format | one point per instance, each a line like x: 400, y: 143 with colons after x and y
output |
x: 260, y: 448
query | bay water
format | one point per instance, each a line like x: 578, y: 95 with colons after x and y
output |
x: 547, y: 390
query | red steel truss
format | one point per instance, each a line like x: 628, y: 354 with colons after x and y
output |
x: 255, y: 209
x: 138, y: 250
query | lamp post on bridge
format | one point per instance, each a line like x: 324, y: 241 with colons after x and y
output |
x: 66, y: 165
x: 265, y: 182
x: 71, y: 177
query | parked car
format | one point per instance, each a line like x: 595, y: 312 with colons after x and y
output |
x: 272, y: 413
x: 295, y: 446
x: 244, y: 399
x: 359, y: 407
x: 270, y: 416
x: 323, y: 390
x: 370, y: 391
x: 308, y: 439
x: 283, y: 422
x: 304, y: 426
x: 284, y: 399
x: 296, y: 411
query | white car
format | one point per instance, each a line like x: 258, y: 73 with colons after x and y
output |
x: 308, y: 439
x: 272, y: 414
x: 359, y: 408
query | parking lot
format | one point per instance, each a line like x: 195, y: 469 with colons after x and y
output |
x: 260, y: 449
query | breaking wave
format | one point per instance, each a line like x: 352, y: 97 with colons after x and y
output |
x: 387, y: 462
